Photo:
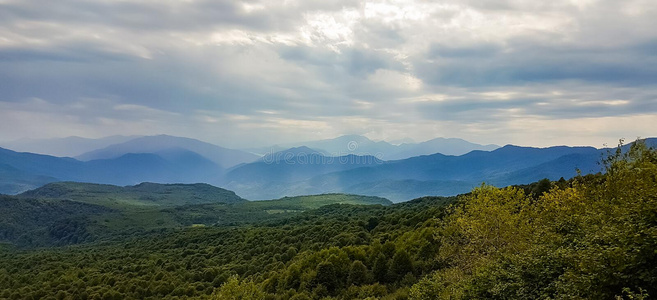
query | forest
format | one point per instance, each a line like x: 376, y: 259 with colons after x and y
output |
x: 589, y: 237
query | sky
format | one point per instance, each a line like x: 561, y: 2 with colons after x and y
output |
x: 255, y: 73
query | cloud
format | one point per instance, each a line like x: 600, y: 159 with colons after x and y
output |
x: 243, y: 73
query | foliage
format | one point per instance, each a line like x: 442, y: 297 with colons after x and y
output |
x: 71, y: 213
x: 234, y: 289
x: 593, y: 240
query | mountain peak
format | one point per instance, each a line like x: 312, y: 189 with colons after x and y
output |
x: 162, y: 143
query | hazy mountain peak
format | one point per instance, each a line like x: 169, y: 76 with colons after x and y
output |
x: 153, y: 144
x: 300, y: 149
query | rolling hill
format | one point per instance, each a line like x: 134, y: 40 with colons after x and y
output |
x: 43, y: 222
x: 71, y: 212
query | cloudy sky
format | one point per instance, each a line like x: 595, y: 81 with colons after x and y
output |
x: 251, y: 73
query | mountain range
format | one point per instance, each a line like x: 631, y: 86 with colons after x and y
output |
x: 64, y: 147
x: 317, y: 168
x: 400, y: 180
x: 361, y: 145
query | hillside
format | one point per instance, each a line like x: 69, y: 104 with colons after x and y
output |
x: 143, y: 194
x: 41, y: 222
x: 316, y: 201
x: 105, y: 212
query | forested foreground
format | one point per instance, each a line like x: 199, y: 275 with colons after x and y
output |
x: 592, y: 237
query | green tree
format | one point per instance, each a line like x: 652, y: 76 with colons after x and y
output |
x: 326, y: 276
x: 380, y: 269
x: 234, y: 289
x: 401, y: 265
x: 543, y: 186
x: 357, y: 273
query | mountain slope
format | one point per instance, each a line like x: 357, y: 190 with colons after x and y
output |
x: 39, y: 222
x: 223, y: 157
x: 13, y: 181
x: 294, y: 165
x: 64, y: 147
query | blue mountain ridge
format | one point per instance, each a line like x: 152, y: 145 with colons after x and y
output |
x: 304, y: 170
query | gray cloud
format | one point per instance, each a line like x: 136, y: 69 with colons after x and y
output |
x: 259, y: 72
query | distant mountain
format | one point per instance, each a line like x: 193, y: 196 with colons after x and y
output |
x: 296, y: 164
x: 22, y: 171
x: 360, y: 145
x: 223, y: 157
x: 41, y: 165
x: 444, y: 175
x: 13, y: 181
x: 146, y: 193
x: 349, y: 144
x: 445, y: 146
x: 133, y: 168
x: 292, y: 153
x: 64, y: 147
x: 399, y: 180
x: 301, y: 170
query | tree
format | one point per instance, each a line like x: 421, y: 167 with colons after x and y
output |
x: 234, y: 289
x: 326, y: 276
x: 543, y: 186
x: 357, y: 273
x: 380, y: 269
x: 401, y: 265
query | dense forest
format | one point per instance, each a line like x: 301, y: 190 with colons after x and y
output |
x: 590, y: 237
